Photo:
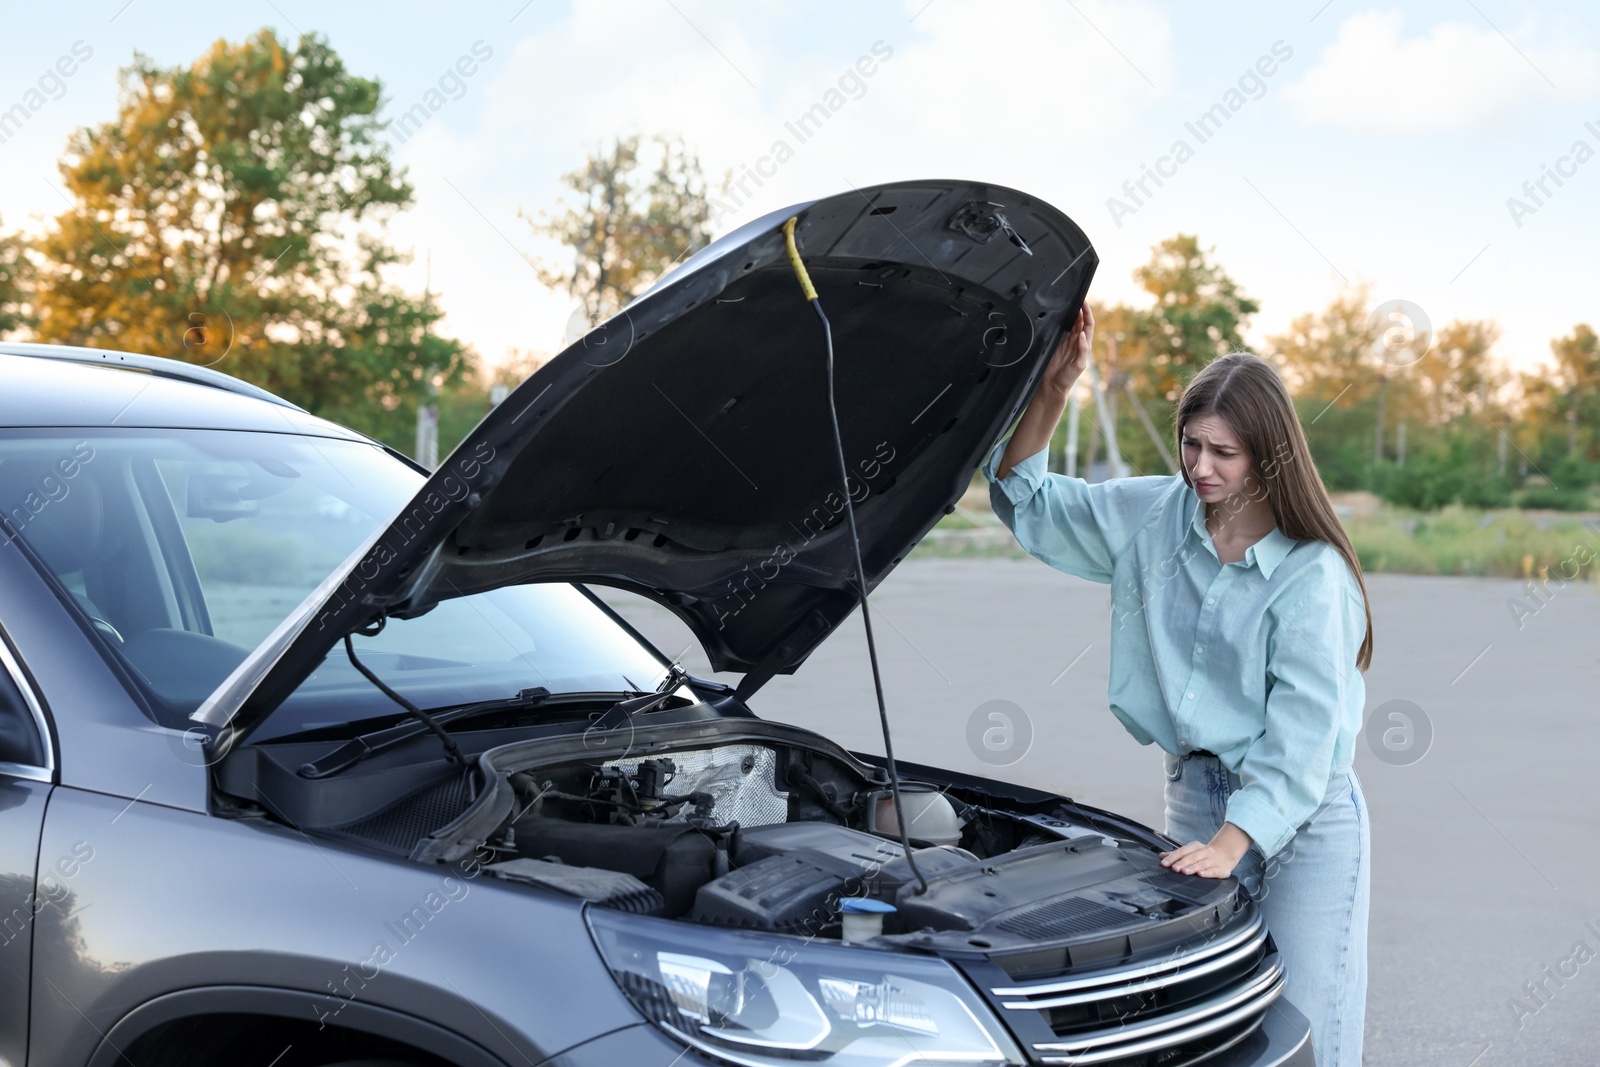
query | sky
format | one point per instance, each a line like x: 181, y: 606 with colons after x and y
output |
x: 1443, y: 153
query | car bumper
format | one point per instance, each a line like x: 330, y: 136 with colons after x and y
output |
x: 1282, y: 1040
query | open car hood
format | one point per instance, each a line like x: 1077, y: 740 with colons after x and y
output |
x: 683, y: 449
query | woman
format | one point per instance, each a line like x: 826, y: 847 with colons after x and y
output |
x: 1240, y: 628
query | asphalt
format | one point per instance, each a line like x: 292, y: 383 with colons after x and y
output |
x: 1484, y: 948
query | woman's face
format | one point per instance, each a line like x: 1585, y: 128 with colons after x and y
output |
x: 1216, y: 460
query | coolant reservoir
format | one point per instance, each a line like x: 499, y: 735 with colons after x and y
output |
x: 929, y: 815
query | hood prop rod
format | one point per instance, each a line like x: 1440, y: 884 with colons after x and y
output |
x: 855, y: 540
x: 450, y: 748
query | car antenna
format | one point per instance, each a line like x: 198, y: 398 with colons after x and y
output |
x: 450, y: 748
x: 855, y: 540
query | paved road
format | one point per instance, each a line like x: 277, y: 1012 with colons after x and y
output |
x: 1485, y: 882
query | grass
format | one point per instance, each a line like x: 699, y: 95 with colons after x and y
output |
x: 1500, y: 542
x: 1456, y: 540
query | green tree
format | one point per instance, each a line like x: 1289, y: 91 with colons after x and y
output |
x: 1199, y: 313
x: 1563, y: 402
x: 231, y: 214
x: 1341, y: 388
x: 16, y: 275
x: 640, y: 206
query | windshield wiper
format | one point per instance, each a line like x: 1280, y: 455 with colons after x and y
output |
x: 624, y: 706
x: 633, y: 702
x: 371, y: 743
x: 622, y: 712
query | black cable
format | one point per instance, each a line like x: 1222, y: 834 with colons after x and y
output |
x: 866, y: 615
x: 450, y: 748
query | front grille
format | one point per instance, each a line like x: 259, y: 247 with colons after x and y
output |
x: 1167, y: 1012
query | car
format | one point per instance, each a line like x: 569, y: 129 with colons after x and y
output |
x: 312, y: 755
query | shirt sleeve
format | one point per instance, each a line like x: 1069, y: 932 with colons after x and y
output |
x: 1067, y: 522
x: 1313, y: 712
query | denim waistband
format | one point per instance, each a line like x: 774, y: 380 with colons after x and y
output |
x: 1204, y: 753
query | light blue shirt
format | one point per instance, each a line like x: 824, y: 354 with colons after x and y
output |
x: 1254, y: 660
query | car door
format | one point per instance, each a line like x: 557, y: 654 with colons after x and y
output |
x: 26, y: 885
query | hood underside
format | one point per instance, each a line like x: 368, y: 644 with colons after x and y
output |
x: 683, y: 449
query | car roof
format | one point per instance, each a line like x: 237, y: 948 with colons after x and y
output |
x: 58, y: 386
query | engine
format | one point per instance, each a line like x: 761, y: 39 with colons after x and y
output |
x: 778, y: 840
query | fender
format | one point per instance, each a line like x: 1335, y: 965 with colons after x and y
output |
x: 288, y: 1004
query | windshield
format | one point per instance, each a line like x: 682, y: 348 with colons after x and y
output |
x: 184, y: 549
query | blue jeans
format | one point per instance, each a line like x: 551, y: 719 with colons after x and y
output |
x: 1314, y: 893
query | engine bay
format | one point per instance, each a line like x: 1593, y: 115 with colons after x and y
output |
x: 778, y: 838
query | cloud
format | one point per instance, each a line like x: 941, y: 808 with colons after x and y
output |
x: 1049, y: 72
x: 1025, y: 100
x: 1459, y: 75
x: 961, y: 82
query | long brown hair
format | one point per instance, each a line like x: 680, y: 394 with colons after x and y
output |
x: 1246, y: 392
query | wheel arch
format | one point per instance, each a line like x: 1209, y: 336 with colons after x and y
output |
x: 267, y: 1002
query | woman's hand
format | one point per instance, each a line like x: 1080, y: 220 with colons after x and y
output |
x: 1072, y: 354
x: 1049, y: 400
x: 1215, y: 859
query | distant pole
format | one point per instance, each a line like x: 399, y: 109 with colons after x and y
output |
x: 1500, y: 448
x: 1115, y: 468
x: 1149, y: 427
x: 1109, y: 389
x: 1072, y: 432
x: 427, y: 450
x: 1377, y: 444
x: 1572, y: 422
x: 1400, y: 444
x: 428, y: 429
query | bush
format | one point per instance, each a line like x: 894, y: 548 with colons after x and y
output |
x: 1344, y: 466
x: 1487, y: 492
x: 1573, y: 472
x: 1555, y: 497
x: 1426, y: 483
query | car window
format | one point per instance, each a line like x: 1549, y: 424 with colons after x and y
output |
x: 184, y: 549
x: 20, y: 742
x: 261, y: 536
x: 488, y: 646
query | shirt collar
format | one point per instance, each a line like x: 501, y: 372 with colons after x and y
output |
x: 1266, y: 553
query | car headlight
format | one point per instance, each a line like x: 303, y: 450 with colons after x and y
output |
x: 760, y: 1000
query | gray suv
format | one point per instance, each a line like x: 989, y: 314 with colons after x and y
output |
x: 311, y: 756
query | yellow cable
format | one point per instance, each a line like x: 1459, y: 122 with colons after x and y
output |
x: 794, y: 260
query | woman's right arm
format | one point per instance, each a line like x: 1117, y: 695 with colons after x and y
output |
x: 1064, y: 521
x: 1043, y: 414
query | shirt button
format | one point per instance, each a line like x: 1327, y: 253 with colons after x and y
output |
x: 1199, y: 649
x: 1191, y: 696
x: 1211, y: 600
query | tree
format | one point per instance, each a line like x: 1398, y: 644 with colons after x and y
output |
x: 632, y: 220
x: 229, y: 215
x: 1343, y: 391
x: 1564, y: 401
x: 1199, y: 312
x: 15, y: 277
x: 1458, y: 377
x: 1327, y: 356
